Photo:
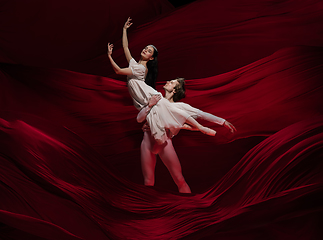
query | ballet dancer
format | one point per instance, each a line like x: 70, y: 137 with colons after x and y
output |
x: 174, y: 91
x: 141, y: 78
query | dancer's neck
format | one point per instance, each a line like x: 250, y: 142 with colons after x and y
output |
x: 143, y: 62
x: 169, y: 96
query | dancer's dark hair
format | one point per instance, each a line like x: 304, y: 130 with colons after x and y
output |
x: 179, y: 89
x: 152, y: 66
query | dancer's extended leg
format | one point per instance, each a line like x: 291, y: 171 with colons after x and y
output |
x: 171, y: 161
x: 148, y: 160
x: 208, y: 131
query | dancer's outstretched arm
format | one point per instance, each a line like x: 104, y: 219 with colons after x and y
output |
x: 116, y: 68
x: 204, y: 115
x: 211, y: 118
x: 125, y: 39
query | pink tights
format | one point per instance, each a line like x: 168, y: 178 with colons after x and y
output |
x: 169, y: 157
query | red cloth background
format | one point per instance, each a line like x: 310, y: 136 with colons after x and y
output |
x: 70, y: 159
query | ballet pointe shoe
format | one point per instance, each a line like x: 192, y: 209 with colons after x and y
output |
x: 208, y: 131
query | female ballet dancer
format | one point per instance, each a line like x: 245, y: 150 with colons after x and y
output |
x: 163, y: 115
x: 174, y: 91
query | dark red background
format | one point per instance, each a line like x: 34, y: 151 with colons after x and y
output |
x: 70, y: 159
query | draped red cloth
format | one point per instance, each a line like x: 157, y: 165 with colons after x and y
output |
x: 70, y: 158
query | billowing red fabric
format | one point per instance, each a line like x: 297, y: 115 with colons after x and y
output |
x: 210, y: 37
x: 99, y: 110
x: 70, y: 143
x: 56, y: 186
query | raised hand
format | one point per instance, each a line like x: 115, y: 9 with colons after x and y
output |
x: 229, y: 126
x: 110, y: 48
x: 128, y: 23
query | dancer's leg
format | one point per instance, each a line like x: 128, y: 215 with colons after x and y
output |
x: 157, y: 146
x: 171, y: 161
x: 148, y: 160
x: 208, y: 131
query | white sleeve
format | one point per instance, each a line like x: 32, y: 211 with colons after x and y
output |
x: 210, y: 117
x: 197, y: 113
x: 193, y: 112
x: 143, y: 114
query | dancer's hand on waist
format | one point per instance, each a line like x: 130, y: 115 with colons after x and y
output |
x: 154, y: 100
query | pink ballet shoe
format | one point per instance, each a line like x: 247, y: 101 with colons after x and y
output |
x: 208, y: 131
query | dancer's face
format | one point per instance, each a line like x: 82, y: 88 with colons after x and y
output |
x: 147, y: 53
x: 170, y: 85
